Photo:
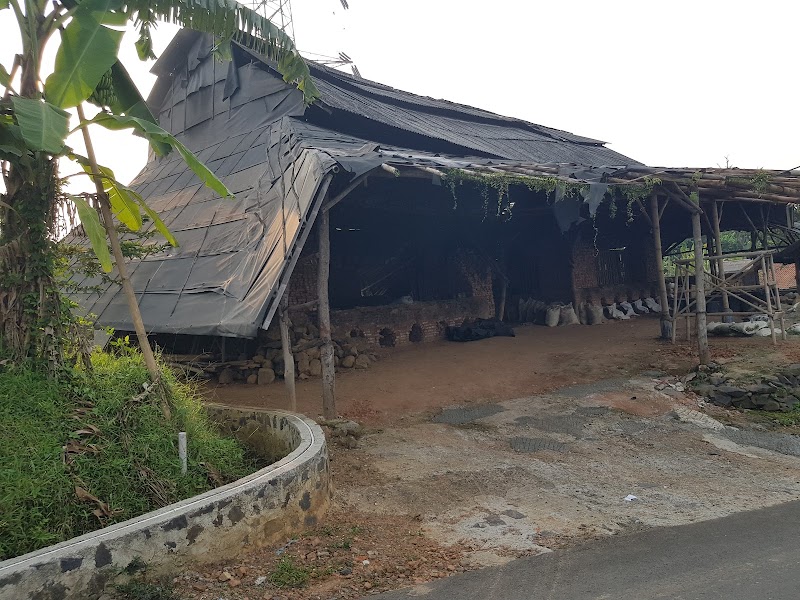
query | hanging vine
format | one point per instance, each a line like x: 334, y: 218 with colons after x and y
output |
x: 501, y: 184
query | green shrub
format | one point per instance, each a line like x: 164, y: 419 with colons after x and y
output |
x: 125, y: 455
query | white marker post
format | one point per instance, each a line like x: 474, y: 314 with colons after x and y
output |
x: 182, y: 451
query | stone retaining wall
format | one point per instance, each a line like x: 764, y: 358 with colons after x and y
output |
x: 265, y: 507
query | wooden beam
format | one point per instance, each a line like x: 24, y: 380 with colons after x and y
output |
x: 644, y: 212
x: 343, y: 194
x: 655, y: 218
x: 663, y: 208
x: 715, y: 218
x: 324, y: 314
x: 390, y: 169
x: 288, y: 357
x: 700, y: 292
x: 303, y: 306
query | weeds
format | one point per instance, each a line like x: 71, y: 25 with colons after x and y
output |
x: 139, y: 590
x: 289, y: 575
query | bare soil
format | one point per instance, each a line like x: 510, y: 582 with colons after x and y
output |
x: 580, y: 439
x: 422, y: 378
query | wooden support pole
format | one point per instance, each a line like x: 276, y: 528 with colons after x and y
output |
x: 288, y: 357
x: 324, y: 313
x: 655, y: 217
x: 700, y: 291
x: 797, y: 271
x: 718, y: 253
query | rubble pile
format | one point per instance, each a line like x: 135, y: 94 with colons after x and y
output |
x: 266, y: 364
x: 779, y: 391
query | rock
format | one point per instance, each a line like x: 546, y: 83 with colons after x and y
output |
x: 348, y: 361
x: 792, y: 369
x: 362, y: 361
x: 261, y: 579
x: 313, y: 353
x: 234, y: 582
x: 346, y: 427
x: 721, y: 399
x: 274, y: 334
x: 259, y: 358
x: 760, y: 400
x: 303, y: 364
x: 716, y: 379
x: 758, y: 388
x: 744, y: 402
x: 225, y: 576
x: 315, y: 367
x: 199, y: 587
x: 226, y: 376
x: 731, y: 391
x: 653, y: 374
x: 704, y: 389
x: 771, y: 405
x: 346, y: 571
x: 349, y: 442
x: 277, y: 366
x: 265, y: 376
x: 304, y: 376
x: 252, y: 379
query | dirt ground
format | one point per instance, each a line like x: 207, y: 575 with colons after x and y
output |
x: 422, y: 378
x: 549, y: 439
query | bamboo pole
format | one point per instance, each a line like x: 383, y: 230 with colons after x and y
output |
x: 700, y: 293
x: 326, y: 351
x: 718, y: 252
x: 655, y: 218
x: 119, y: 259
x: 288, y: 357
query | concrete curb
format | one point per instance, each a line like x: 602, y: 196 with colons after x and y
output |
x: 261, y: 508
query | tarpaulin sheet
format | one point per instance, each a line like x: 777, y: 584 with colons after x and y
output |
x: 252, y: 130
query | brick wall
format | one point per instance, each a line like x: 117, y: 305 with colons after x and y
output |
x: 585, y: 277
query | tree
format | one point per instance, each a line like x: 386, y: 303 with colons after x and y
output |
x: 34, y: 124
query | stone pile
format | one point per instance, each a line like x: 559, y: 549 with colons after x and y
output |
x: 775, y: 392
x: 266, y: 364
x: 344, y: 432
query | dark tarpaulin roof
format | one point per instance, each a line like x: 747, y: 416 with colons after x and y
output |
x: 246, y: 124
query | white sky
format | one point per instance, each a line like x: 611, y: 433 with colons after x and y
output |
x: 679, y: 83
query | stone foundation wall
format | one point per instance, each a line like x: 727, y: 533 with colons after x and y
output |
x: 268, y: 506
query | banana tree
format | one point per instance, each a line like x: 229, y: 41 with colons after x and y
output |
x: 35, y: 124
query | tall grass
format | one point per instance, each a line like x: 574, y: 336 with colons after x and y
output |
x: 130, y: 463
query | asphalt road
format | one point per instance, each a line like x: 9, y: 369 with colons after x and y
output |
x: 748, y: 556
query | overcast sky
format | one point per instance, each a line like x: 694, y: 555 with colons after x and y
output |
x: 679, y: 83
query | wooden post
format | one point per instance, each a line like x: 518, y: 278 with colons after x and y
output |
x: 718, y: 253
x: 655, y: 218
x: 797, y: 272
x: 288, y: 357
x: 501, y: 309
x: 326, y: 351
x: 700, y: 291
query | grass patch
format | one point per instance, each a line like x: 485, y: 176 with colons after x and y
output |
x: 289, y: 575
x: 121, y: 453
x: 140, y: 590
